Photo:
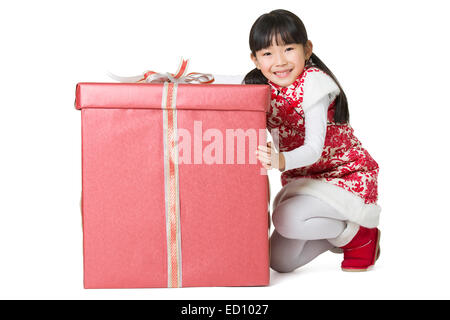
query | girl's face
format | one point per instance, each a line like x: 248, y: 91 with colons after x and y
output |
x: 282, y: 64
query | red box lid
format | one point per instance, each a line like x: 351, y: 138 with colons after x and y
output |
x: 226, y: 97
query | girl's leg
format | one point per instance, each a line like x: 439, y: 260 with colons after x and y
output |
x: 290, y: 254
x: 302, y: 223
x: 307, y: 218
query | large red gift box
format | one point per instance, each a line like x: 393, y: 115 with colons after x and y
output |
x: 172, y: 194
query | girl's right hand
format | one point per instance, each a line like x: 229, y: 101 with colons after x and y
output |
x: 269, y: 158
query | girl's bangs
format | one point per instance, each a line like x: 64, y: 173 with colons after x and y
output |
x: 282, y: 33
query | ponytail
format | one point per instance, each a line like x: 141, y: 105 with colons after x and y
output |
x: 255, y: 77
x: 341, y: 113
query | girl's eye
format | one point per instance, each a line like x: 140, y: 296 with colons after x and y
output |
x: 289, y: 49
x: 266, y: 54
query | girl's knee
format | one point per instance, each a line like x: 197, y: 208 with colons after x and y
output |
x: 281, y: 265
x: 283, y: 253
x: 286, y: 223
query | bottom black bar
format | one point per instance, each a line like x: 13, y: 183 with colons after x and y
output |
x: 214, y: 309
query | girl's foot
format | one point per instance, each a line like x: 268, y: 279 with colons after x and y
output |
x: 362, y: 252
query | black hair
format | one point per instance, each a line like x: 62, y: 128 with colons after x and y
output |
x: 282, y: 25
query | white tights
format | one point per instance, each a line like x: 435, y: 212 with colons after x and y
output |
x: 302, y: 225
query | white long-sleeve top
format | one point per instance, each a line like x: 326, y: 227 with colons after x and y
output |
x: 315, y: 131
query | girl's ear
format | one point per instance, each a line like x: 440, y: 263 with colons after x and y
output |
x: 255, y: 61
x: 308, y: 49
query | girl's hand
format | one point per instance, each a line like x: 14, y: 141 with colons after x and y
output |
x: 269, y: 158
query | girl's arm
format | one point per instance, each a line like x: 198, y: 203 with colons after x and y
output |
x: 310, y: 151
x: 315, y: 131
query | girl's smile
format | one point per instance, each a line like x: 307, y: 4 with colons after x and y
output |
x: 283, y: 73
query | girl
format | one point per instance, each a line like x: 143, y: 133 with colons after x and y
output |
x: 329, y: 194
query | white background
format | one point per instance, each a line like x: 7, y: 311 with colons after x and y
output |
x: 391, y: 58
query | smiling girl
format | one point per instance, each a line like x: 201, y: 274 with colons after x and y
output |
x: 329, y: 196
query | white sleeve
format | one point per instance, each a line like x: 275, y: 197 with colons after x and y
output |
x: 228, y: 79
x: 317, y: 85
x: 315, y: 131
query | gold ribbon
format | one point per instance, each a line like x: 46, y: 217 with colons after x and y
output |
x: 171, y: 184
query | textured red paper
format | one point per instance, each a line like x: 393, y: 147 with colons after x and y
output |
x: 223, y: 207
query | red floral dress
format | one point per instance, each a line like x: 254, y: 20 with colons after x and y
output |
x: 343, y: 163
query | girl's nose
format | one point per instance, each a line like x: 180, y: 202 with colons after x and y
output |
x: 280, y: 59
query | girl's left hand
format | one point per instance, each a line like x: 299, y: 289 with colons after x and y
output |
x: 269, y: 158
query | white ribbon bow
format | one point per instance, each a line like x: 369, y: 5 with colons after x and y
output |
x: 160, y: 77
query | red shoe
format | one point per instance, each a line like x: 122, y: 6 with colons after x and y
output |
x: 362, y: 252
